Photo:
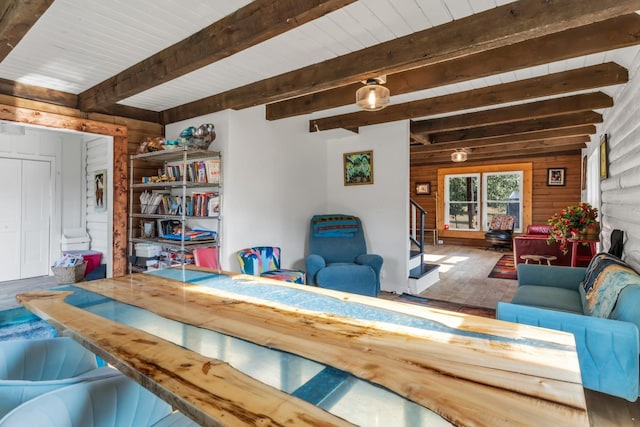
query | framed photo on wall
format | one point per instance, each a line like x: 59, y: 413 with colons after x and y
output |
x: 556, y: 176
x: 583, y: 177
x: 604, y: 157
x: 100, y: 188
x: 423, y: 188
x: 358, y: 168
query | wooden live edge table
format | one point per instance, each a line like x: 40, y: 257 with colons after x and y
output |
x: 237, y: 350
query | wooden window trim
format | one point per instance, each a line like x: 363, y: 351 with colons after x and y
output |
x: 527, y: 189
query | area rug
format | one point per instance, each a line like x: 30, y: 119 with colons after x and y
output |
x: 446, y: 305
x: 504, y: 269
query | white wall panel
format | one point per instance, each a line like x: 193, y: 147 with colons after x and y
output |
x: 98, y: 157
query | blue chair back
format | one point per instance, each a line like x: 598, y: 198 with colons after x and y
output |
x: 337, y: 249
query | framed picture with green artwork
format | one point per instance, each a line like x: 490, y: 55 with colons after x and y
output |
x: 358, y: 168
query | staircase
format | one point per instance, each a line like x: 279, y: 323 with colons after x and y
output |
x: 422, y: 275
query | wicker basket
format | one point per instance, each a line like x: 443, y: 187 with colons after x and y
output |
x: 73, y: 274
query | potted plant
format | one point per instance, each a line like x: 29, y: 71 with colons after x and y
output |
x: 569, y: 222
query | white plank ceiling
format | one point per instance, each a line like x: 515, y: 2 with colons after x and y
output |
x: 77, y: 44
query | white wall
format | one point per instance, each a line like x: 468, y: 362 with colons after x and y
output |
x: 277, y: 175
x: 384, y: 206
x: 620, y: 193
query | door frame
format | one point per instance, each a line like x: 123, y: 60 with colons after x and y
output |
x: 120, y: 164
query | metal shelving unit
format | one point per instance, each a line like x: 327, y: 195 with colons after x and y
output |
x: 184, y: 157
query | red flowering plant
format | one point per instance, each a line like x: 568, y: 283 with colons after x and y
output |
x: 569, y: 222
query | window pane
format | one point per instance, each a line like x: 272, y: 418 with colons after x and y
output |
x: 463, y: 216
x: 462, y: 202
x: 463, y: 189
x: 503, y: 195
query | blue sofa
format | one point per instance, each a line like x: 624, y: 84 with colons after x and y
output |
x: 338, y: 256
x: 599, y: 305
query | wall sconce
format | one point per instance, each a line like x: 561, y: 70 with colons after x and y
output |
x: 373, y: 96
x: 460, y: 155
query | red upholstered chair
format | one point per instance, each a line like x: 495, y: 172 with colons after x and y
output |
x: 206, y: 257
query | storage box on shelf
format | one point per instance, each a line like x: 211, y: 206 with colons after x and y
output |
x: 175, y: 205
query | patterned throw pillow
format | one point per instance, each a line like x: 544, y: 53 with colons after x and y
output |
x: 502, y: 222
x: 605, y: 277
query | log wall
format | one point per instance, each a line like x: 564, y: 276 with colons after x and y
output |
x: 545, y: 199
x: 620, y: 192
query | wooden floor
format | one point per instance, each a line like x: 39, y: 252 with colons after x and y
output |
x: 9, y: 289
x: 463, y: 280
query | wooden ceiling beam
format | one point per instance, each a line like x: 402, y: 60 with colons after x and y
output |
x: 69, y: 100
x: 547, y: 134
x: 513, y: 155
x: 539, y: 147
x: 254, y: 23
x: 514, y: 128
x: 615, y: 33
x: 519, y: 21
x: 419, y: 138
x: 548, y: 85
x: 16, y: 18
x: 532, y: 110
x: 38, y: 93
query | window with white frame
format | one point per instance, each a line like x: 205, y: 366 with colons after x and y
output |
x: 462, y: 202
x: 501, y: 196
x: 465, y: 204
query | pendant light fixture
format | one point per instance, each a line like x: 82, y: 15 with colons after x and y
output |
x: 460, y: 155
x: 373, y: 96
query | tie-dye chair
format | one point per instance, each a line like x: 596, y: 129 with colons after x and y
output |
x: 264, y: 261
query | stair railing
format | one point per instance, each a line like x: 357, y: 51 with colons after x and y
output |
x: 416, y: 234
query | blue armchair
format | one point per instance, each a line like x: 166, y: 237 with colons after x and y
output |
x: 338, y: 256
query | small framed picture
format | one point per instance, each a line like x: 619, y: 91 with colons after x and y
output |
x: 100, y: 181
x: 358, y: 168
x: 147, y: 229
x: 423, y: 188
x: 556, y: 176
x: 583, y: 176
x: 604, y: 157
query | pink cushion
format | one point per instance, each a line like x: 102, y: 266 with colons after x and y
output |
x: 538, y: 229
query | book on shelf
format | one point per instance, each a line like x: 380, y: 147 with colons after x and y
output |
x: 212, y: 167
x: 150, y: 201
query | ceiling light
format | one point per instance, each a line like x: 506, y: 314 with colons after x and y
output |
x: 373, y: 96
x: 460, y: 155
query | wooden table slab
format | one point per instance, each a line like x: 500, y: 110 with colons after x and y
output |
x: 487, y: 373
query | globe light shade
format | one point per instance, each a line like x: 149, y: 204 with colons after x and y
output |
x: 459, y: 156
x: 372, y: 96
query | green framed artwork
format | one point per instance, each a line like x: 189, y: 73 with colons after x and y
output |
x: 358, y: 168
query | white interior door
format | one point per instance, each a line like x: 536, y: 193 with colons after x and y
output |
x: 36, y: 217
x: 25, y: 218
x: 10, y: 218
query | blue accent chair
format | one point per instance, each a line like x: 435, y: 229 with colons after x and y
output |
x: 30, y: 368
x: 338, y: 257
